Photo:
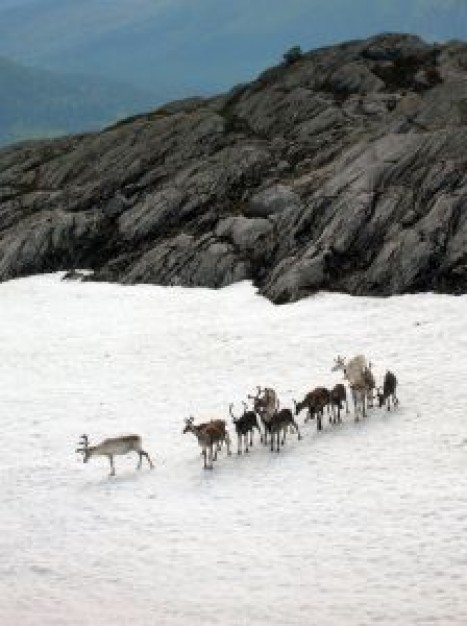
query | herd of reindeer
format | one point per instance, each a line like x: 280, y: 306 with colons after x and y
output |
x: 276, y: 421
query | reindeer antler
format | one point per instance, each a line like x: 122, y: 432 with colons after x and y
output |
x: 83, y: 443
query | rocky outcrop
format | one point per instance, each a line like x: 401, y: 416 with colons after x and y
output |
x: 344, y: 168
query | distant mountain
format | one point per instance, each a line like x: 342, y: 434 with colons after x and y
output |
x: 38, y: 103
x: 187, y: 48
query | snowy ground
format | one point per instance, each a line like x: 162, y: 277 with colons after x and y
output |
x: 362, y: 524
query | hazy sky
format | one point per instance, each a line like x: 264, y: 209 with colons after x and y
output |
x: 202, y: 45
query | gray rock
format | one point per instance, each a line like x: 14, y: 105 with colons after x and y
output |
x: 355, y: 77
x: 345, y: 170
x: 155, y: 213
x: 272, y: 201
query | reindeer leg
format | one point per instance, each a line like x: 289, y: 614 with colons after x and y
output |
x: 140, y: 460
x: 210, y: 466
x: 246, y: 443
x: 112, y: 468
x: 208, y: 456
x: 299, y: 435
x: 148, y: 458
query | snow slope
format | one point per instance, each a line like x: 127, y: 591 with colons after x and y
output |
x: 362, y: 524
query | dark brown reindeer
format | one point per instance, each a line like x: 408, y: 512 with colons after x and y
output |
x: 370, y: 384
x: 388, y: 391
x: 265, y: 404
x: 244, y: 426
x: 113, y: 447
x: 337, y: 396
x: 280, y: 422
x: 315, y: 401
x: 210, y: 436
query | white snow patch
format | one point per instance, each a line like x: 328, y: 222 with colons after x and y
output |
x: 362, y: 524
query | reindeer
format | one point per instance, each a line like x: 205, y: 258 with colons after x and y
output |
x: 389, y: 391
x: 209, y: 435
x: 370, y: 385
x: 280, y: 422
x: 337, y: 396
x: 354, y: 372
x: 244, y: 425
x: 314, y: 401
x: 112, y: 447
x: 265, y: 406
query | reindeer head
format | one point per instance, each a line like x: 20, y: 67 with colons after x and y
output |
x: 234, y: 419
x: 299, y: 406
x: 189, y: 421
x: 339, y: 364
x: 84, y: 448
x: 259, y: 402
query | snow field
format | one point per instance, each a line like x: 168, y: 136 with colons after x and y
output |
x: 361, y: 524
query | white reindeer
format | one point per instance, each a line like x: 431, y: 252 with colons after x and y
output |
x: 356, y: 372
x: 265, y: 404
x: 113, y: 447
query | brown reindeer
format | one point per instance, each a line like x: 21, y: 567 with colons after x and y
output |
x: 388, y: 391
x: 210, y: 436
x: 244, y: 426
x: 369, y: 380
x: 315, y: 401
x: 280, y: 422
x: 337, y: 396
